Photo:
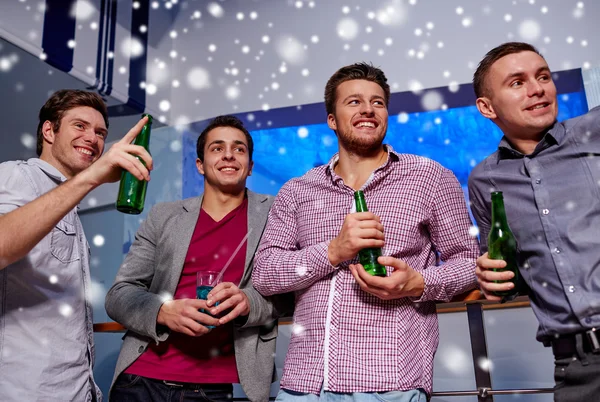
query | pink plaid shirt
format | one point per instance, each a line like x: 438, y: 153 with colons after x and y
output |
x: 343, y: 338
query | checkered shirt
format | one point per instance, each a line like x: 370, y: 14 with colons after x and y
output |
x: 344, y: 338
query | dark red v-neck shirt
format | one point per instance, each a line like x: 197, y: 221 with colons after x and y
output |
x: 209, y: 358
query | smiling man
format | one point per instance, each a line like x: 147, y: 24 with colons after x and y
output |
x: 549, y: 175
x: 357, y: 337
x: 154, y: 295
x: 46, y: 336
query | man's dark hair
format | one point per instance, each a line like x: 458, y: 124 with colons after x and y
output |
x: 61, y: 102
x: 223, y: 121
x: 493, y: 56
x: 357, y: 71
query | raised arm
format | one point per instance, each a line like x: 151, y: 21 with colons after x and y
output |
x: 47, y: 210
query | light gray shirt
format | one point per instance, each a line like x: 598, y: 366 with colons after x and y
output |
x: 552, y: 200
x: 46, y: 327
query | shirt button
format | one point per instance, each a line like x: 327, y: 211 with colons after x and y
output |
x: 545, y: 211
x: 557, y: 250
x: 140, y: 349
x: 572, y: 289
x: 538, y: 181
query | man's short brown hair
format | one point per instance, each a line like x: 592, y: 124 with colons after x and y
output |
x: 357, y: 71
x: 493, y: 56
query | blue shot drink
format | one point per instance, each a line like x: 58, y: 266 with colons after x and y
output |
x: 205, y: 282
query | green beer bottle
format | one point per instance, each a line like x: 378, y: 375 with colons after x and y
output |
x: 368, y: 256
x: 132, y: 191
x: 502, y: 244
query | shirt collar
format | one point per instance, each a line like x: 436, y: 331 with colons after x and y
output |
x: 393, y: 156
x: 553, y: 136
x: 48, y: 169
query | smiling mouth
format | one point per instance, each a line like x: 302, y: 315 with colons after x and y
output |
x: 84, y: 151
x: 538, y: 106
x: 367, y: 124
x: 228, y: 169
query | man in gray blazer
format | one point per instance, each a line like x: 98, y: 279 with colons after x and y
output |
x: 154, y: 295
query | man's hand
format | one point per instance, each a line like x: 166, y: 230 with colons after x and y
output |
x: 183, y: 316
x: 229, y: 297
x: 360, y: 230
x: 403, y: 282
x: 122, y: 155
x: 486, y: 277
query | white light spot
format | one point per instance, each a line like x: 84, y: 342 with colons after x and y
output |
x: 175, y: 146
x: 65, y: 310
x: 432, y: 100
x: 198, y: 78
x: 246, y: 49
x: 297, y: 329
x: 459, y: 10
x: 275, y: 86
x: 485, y: 364
x: 155, y: 5
x: 232, y: 92
x: 584, y: 43
x: 586, y: 65
x: 544, y: 10
x: 53, y: 279
x: 546, y: 39
x: 299, y: 4
x: 98, y: 240
x: 92, y: 202
x: 197, y: 14
x: 347, y: 29
x: 301, y: 270
x: 437, y: 120
x: 453, y: 86
x: 466, y: 22
x: 82, y: 10
x: 415, y: 86
x: 28, y: 141
x: 402, y: 117
x: 569, y: 39
x: 327, y: 140
x: 305, y: 72
x: 215, y: 10
x: 135, y: 5
x: 530, y: 30
x: 265, y: 107
x: 164, y: 105
x: 151, y: 89
x: 365, y: 47
x: 253, y: 15
x: 71, y: 44
x: 455, y: 360
x: 392, y: 14
x: 418, y: 32
x: 440, y: 44
x: 175, y: 84
x: 132, y: 47
x: 507, y: 17
x: 266, y: 39
x: 473, y: 231
x: 239, y: 16
x: 570, y: 206
x: 290, y: 50
x: 346, y: 10
x: 314, y: 39
x: 302, y: 132
x: 282, y: 151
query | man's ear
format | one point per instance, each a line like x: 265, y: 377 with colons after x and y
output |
x: 48, y: 132
x: 251, y: 167
x: 485, y: 107
x: 200, y: 166
x: 331, y: 122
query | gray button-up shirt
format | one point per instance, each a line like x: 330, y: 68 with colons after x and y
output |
x: 46, y: 327
x: 552, y: 200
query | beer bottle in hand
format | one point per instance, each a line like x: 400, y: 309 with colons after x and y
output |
x: 502, y: 245
x: 132, y: 191
x: 368, y: 256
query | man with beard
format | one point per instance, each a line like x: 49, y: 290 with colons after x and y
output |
x: 358, y: 337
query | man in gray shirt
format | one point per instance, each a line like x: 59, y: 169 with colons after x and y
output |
x: 549, y: 173
x: 46, y: 334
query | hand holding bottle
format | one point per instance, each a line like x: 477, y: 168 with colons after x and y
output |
x: 108, y: 168
x: 491, y: 278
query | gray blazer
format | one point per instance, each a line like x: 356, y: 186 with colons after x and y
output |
x: 153, y: 267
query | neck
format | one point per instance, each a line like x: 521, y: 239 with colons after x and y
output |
x: 355, y: 169
x: 217, y: 203
x: 47, y: 157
